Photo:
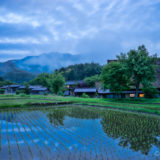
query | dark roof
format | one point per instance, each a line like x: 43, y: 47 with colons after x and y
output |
x: 13, y: 86
x: 22, y: 87
x: 73, y: 82
x: 85, y: 90
x: 107, y: 91
x: 39, y: 89
x: 101, y: 91
x: 4, y: 87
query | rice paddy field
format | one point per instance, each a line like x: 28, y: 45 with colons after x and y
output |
x: 78, y: 133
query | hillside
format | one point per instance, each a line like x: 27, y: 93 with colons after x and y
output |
x: 80, y: 71
x: 47, y: 62
x: 9, y: 71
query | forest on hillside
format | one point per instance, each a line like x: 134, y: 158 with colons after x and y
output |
x: 80, y: 71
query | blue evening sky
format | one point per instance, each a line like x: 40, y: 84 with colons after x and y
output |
x: 101, y: 28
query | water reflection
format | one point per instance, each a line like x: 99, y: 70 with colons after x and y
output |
x: 78, y: 132
x: 135, y: 131
x: 138, y: 132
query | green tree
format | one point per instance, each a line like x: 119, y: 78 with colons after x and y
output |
x: 42, y: 79
x: 56, y: 82
x: 92, y: 80
x: 114, y: 77
x: 140, y: 67
x: 27, y: 90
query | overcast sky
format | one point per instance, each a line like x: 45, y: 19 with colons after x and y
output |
x: 97, y: 27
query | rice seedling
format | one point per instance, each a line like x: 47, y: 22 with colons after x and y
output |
x: 9, y: 147
x: 36, y: 123
x: 37, y: 135
x: 1, y: 128
x: 26, y: 143
x: 20, y: 153
x: 37, y: 146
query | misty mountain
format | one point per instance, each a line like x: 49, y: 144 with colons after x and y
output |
x: 47, y: 62
x: 9, y: 71
x: 27, y: 68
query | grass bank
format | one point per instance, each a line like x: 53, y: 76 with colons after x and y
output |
x: 139, y: 105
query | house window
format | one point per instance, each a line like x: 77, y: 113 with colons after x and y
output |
x: 132, y: 95
x: 141, y: 95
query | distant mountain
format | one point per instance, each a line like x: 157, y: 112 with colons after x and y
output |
x: 27, y: 68
x: 47, y: 62
x: 9, y: 71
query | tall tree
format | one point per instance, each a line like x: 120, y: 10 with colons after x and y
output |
x: 140, y: 67
x: 114, y: 77
x: 56, y: 82
x: 92, y: 80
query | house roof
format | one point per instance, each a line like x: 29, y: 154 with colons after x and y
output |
x: 39, y: 89
x: 73, y: 82
x: 85, y: 90
x: 101, y: 91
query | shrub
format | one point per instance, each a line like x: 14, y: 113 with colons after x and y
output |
x: 2, y: 91
x: 84, y: 95
x: 150, y: 92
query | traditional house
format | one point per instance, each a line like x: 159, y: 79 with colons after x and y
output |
x: 71, y: 85
x: 89, y: 91
x: 123, y: 94
x: 38, y: 89
x: 10, y: 89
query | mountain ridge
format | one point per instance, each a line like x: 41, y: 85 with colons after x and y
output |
x: 31, y: 66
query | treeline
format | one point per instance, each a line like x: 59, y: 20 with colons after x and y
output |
x: 55, y: 82
x: 80, y: 71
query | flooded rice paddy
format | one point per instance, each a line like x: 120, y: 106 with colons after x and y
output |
x: 78, y: 133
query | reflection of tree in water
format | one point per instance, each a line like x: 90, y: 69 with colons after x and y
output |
x: 139, y: 132
x: 84, y: 113
x: 56, y: 117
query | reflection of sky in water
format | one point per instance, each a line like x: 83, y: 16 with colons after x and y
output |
x: 34, y: 135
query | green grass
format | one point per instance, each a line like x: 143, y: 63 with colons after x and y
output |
x: 138, y: 105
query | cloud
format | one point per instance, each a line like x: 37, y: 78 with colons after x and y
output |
x: 13, y: 18
x: 98, y: 28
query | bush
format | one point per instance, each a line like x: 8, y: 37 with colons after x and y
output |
x: 84, y: 95
x: 150, y: 92
x: 24, y: 95
x: 2, y: 91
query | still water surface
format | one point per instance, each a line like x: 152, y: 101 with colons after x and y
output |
x: 78, y: 133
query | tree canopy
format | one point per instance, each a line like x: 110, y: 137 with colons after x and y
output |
x: 80, y: 71
x: 114, y: 77
x: 90, y: 81
x: 140, y: 67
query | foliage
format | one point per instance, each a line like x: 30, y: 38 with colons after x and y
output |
x: 42, y: 79
x: 2, y: 91
x: 140, y: 66
x: 150, y: 92
x: 92, y: 80
x: 114, y: 77
x: 27, y: 90
x: 56, y: 117
x: 138, y: 132
x: 56, y: 82
x: 84, y: 95
x: 80, y: 71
